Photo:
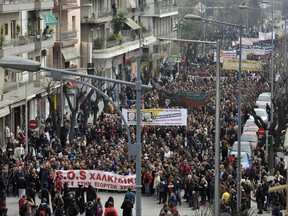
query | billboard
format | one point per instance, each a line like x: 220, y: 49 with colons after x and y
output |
x: 246, y: 65
x: 167, y: 117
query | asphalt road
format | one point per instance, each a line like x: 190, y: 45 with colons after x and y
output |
x: 149, y: 206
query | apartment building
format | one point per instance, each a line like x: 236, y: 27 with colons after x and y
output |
x: 76, y: 33
x: 21, y: 26
x: 114, y: 54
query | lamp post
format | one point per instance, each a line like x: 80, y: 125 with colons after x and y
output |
x: 33, y: 66
x: 193, y: 17
x: 217, y: 117
x: 26, y: 112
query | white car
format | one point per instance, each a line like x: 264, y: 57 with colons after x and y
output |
x: 262, y: 114
x: 246, y: 160
x: 263, y: 99
x: 245, y: 147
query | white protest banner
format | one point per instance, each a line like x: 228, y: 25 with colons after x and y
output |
x: 98, y: 179
x: 230, y: 54
x: 167, y: 117
x: 266, y: 36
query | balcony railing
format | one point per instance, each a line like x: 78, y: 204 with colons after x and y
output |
x: 15, y: 1
x: 72, y: 34
x: 126, y: 38
x: 100, y: 14
x: 112, y: 43
x: 18, y: 42
x: 163, y: 10
x: 139, y: 10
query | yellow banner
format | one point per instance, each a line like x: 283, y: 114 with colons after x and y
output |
x: 247, y: 65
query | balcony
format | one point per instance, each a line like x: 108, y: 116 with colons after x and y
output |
x: 127, y: 37
x: 44, y: 4
x: 68, y: 38
x: 97, y: 17
x: 9, y: 6
x: 44, y: 42
x: 166, y: 10
x: 110, y: 49
x: 18, y: 46
x: 66, y: 4
x: 140, y: 10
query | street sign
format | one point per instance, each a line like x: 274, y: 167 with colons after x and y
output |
x: 33, y: 124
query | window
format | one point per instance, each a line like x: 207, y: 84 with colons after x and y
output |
x: 73, y: 22
x: 6, y: 29
x: 38, y: 58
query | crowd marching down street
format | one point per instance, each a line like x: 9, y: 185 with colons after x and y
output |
x: 177, y: 161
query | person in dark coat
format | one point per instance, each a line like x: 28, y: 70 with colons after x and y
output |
x: 91, y: 194
x: 110, y: 199
x: 79, y: 197
x: 260, y: 198
x: 44, y: 194
x: 31, y: 192
x: 127, y: 207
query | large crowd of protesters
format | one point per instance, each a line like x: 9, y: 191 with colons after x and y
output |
x: 177, y: 161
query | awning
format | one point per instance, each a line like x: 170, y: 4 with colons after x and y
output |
x: 132, y: 24
x: 4, y: 111
x: 70, y: 53
x: 48, y: 18
x: 132, y: 3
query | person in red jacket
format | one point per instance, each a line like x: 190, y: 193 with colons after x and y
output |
x: 147, y: 180
x: 110, y: 210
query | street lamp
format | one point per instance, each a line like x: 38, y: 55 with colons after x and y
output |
x: 26, y: 112
x: 33, y: 66
x: 198, y: 18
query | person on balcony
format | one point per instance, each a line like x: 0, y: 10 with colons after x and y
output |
x: 114, y: 8
x: 46, y: 32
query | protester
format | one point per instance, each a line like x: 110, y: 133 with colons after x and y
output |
x: 110, y: 210
x: 127, y: 207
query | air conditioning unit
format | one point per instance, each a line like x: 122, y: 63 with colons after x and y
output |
x: 44, y: 52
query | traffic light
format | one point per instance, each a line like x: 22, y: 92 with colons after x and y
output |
x: 90, y: 68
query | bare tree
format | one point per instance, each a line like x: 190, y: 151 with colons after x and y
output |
x: 280, y: 94
x: 49, y: 87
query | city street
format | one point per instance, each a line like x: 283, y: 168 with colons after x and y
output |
x: 149, y: 206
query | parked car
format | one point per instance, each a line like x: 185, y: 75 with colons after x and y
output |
x: 251, y: 137
x: 246, y: 160
x: 263, y: 99
x: 245, y: 147
x: 262, y: 113
x: 250, y: 125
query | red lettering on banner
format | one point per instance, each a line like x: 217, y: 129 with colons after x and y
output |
x: 98, y: 177
x: 110, y: 178
x: 92, y: 176
x: 131, y: 181
x: 71, y: 175
x: 82, y: 175
x: 104, y: 178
